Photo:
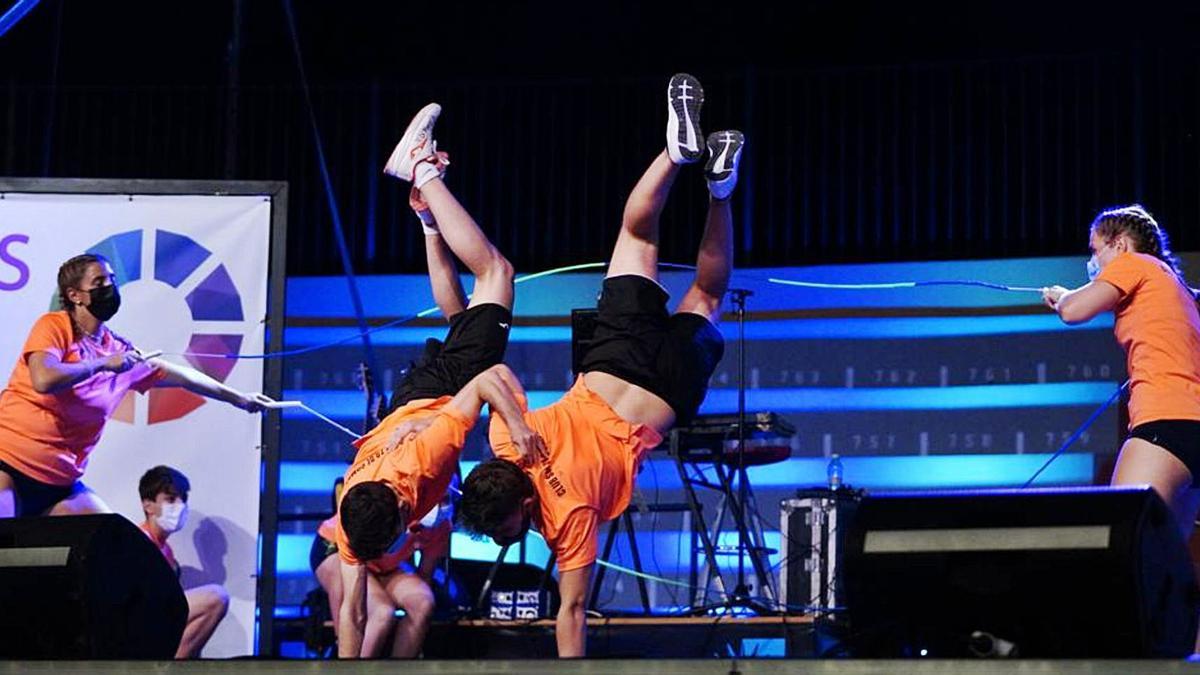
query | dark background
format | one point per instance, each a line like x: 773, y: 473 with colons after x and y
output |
x: 876, y: 130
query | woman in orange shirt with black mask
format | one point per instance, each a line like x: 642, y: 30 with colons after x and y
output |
x: 1134, y: 275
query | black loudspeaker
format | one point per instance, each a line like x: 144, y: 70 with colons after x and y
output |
x: 1056, y: 573
x: 583, y: 327
x: 86, y: 587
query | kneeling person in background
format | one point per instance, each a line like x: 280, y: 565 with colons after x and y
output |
x: 164, y: 493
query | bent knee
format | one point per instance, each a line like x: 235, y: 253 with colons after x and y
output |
x: 210, y: 599
x: 706, y: 303
x: 419, y: 604
x: 499, y: 269
x: 381, y: 614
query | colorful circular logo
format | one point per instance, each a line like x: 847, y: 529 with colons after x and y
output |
x: 195, y: 284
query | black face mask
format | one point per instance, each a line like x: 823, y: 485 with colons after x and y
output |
x: 106, y: 300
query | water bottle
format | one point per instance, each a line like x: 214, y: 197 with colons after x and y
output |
x: 834, y: 472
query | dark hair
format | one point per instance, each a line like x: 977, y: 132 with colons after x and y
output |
x: 70, y: 274
x: 1136, y: 222
x: 163, y: 479
x: 492, y: 492
x: 370, y: 515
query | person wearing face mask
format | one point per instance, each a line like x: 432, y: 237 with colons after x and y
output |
x: 1133, y: 274
x: 69, y: 378
x: 164, y: 493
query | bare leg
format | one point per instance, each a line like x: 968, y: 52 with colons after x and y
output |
x: 493, y: 273
x: 443, y: 277
x: 381, y: 617
x: 8, y: 496
x: 206, y: 607
x: 714, y: 264
x: 381, y: 613
x: 636, y: 250
x: 330, y: 577
x: 1141, y: 462
x: 81, y: 503
x: 411, y: 593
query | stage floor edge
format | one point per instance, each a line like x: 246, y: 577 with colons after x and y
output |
x: 613, y: 667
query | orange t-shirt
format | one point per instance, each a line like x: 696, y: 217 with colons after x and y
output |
x: 588, y: 477
x: 419, y: 469
x: 1159, y: 328
x: 48, y: 437
x: 420, y: 538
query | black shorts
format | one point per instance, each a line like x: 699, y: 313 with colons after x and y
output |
x: 636, y: 339
x: 321, y: 549
x: 1178, y: 437
x: 475, y: 342
x: 35, y: 498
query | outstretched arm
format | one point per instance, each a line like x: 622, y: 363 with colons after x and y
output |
x: 196, y: 381
x: 1083, y: 303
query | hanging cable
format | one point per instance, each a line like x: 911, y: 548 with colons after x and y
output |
x: 330, y: 196
x: 903, y: 284
x: 15, y: 14
x: 1078, y: 432
x: 404, y: 319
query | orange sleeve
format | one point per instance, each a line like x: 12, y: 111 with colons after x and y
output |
x: 576, y: 546
x: 343, y: 546
x: 51, y: 334
x: 1126, y: 272
x: 500, y: 438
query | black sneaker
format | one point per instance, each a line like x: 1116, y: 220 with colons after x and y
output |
x: 724, y: 153
x: 684, y: 138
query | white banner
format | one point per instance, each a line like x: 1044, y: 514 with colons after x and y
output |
x: 193, y: 278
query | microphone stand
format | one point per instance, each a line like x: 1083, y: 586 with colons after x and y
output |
x: 740, y: 597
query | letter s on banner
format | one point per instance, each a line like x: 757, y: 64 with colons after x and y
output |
x: 10, y: 259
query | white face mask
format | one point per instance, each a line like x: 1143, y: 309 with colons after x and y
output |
x: 1093, y: 268
x: 172, y: 517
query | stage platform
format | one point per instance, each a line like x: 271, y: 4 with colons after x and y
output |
x: 683, y: 637
x: 610, y: 667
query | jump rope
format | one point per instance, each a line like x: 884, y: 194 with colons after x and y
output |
x: 899, y: 285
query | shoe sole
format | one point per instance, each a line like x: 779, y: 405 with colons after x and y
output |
x: 685, y: 141
x: 419, y: 123
x: 724, y: 150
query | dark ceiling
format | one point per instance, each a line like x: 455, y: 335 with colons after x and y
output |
x: 187, y: 41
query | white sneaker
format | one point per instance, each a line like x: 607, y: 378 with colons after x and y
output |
x: 724, y: 154
x: 416, y: 146
x: 685, y: 141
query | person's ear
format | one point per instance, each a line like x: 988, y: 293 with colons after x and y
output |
x: 75, y: 296
x: 146, y: 504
